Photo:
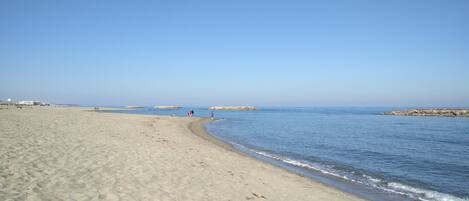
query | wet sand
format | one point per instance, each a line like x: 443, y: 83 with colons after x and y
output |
x: 50, y: 153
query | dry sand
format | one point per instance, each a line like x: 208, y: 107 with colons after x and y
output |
x: 71, y: 154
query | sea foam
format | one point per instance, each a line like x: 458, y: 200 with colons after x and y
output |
x: 393, y: 187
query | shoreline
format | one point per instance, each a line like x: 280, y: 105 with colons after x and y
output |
x: 197, y: 127
x: 143, y: 157
x: 371, y: 188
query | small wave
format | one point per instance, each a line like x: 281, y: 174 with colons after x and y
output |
x: 374, y: 180
x: 393, y: 187
x: 424, y: 195
x: 219, y: 119
x: 328, y: 170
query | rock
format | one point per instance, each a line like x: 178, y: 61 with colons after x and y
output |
x: 167, y: 107
x: 134, y: 107
x: 432, y: 112
x: 232, y: 108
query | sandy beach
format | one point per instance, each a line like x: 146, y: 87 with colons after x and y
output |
x: 52, y: 153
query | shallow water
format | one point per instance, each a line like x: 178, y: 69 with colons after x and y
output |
x: 416, y: 158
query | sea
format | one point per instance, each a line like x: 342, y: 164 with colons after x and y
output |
x: 355, y: 149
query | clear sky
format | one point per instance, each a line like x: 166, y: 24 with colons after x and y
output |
x: 240, y: 52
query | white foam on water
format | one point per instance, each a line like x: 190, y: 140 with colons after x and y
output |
x: 424, y: 195
x: 219, y: 119
x: 374, y: 180
x: 393, y: 187
x: 320, y: 168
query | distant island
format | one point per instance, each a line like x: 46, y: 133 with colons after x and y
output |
x: 432, y: 112
x: 232, y: 108
x: 167, y: 107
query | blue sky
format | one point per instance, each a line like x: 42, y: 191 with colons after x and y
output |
x: 243, y: 52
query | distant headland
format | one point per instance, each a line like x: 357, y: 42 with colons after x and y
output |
x: 232, y: 108
x: 432, y: 112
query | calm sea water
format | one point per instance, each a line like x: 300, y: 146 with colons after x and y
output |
x: 381, y: 157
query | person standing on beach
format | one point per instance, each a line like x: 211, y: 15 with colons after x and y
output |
x: 190, y: 113
x: 211, y: 115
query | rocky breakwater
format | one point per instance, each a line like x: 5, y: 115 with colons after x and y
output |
x: 167, y: 107
x: 232, y: 108
x: 432, y: 112
x: 134, y: 107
